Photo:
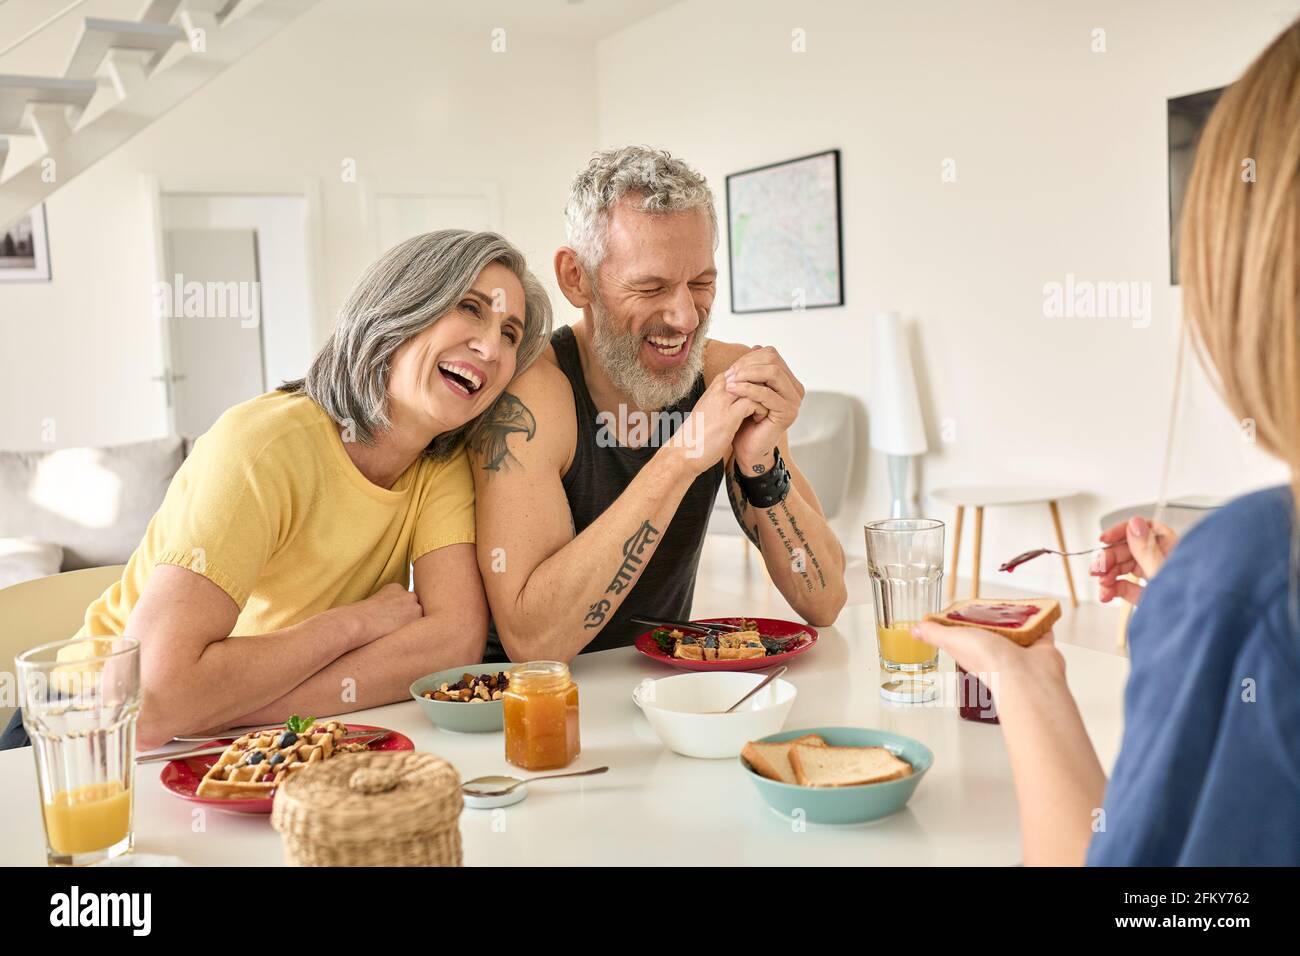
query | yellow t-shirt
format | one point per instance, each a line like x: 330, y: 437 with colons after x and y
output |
x: 270, y: 508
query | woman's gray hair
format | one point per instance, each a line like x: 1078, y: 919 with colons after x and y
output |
x: 410, y: 287
x: 660, y: 182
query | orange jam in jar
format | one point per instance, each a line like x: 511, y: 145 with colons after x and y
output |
x: 541, y: 716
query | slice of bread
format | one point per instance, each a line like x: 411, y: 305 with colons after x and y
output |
x: 773, y: 760
x: 1023, y: 620
x: 845, y: 766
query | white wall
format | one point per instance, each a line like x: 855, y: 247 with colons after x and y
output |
x: 409, y: 90
x: 1060, y: 157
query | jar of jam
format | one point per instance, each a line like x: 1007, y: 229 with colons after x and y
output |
x: 541, y: 716
x: 974, y: 702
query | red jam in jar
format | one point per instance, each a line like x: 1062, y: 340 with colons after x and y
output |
x: 974, y: 702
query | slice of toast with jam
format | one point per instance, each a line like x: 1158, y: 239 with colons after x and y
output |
x: 1023, y: 620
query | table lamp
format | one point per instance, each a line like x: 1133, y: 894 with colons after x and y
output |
x: 896, y: 425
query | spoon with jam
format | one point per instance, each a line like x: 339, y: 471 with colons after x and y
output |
x: 1020, y: 559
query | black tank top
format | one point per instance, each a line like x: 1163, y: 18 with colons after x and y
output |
x: 600, y: 472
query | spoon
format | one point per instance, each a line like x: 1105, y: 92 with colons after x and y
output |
x: 757, y: 687
x: 1020, y: 559
x: 517, y: 782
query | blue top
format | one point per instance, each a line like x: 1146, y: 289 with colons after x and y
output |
x: 1209, y: 770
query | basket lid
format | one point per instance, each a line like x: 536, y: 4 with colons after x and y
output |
x: 364, y: 796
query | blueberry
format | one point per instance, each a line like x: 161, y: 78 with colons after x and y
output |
x: 286, y: 739
x: 277, y: 758
x: 256, y: 757
x: 710, y: 642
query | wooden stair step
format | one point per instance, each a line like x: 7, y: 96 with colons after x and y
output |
x: 163, y: 11
x: 17, y: 92
x: 99, y: 35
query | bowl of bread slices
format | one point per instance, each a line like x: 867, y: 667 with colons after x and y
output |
x: 685, y: 711
x: 836, y: 774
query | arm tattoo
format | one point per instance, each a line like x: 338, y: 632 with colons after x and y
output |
x: 803, y: 541
x: 509, y: 416
x: 738, y: 504
x: 800, y: 562
x: 633, y: 548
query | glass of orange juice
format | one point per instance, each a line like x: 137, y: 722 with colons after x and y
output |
x: 905, y: 561
x: 80, y: 700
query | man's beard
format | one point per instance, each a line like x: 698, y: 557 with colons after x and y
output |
x: 619, y: 354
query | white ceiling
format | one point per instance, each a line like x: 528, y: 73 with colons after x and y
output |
x: 587, y: 20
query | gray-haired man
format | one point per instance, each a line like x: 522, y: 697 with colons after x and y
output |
x: 597, y: 474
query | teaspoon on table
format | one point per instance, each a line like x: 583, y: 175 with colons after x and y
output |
x: 516, y: 782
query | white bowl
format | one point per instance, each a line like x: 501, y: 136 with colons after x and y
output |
x: 682, y: 710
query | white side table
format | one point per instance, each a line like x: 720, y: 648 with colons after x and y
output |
x: 992, y: 496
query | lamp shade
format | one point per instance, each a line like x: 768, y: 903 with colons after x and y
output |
x: 896, y: 425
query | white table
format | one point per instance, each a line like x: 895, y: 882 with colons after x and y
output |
x: 655, y: 807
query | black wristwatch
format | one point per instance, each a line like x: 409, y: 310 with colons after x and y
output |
x: 767, y: 489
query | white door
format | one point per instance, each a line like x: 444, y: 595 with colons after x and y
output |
x: 215, y: 327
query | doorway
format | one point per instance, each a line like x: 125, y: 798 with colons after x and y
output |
x: 234, y: 298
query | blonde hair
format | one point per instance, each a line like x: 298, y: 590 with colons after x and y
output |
x: 1240, y: 249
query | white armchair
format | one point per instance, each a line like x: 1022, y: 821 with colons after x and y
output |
x: 823, y: 442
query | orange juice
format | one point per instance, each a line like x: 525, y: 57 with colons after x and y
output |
x: 898, y: 646
x: 88, y: 818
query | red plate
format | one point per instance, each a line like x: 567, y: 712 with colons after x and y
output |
x: 181, y: 777
x: 767, y: 626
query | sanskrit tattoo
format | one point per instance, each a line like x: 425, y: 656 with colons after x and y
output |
x: 738, y: 505
x: 633, y: 548
x: 509, y: 416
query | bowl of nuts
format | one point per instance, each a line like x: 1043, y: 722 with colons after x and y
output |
x: 466, y: 699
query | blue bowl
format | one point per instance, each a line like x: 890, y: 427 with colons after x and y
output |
x: 461, y: 717
x: 845, y: 804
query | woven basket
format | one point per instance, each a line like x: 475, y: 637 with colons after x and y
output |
x: 371, y: 809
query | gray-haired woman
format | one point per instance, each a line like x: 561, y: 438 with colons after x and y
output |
x: 273, y: 579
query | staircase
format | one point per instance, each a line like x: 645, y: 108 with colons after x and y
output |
x: 121, y: 75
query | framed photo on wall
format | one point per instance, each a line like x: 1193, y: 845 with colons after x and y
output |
x: 1187, y: 117
x: 24, y: 249
x: 784, y: 235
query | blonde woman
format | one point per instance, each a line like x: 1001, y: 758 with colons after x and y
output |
x: 273, y: 579
x: 1209, y: 769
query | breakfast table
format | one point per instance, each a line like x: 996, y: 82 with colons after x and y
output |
x: 655, y: 807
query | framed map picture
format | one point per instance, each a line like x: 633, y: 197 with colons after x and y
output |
x: 784, y: 239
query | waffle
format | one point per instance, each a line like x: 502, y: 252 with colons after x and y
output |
x: 234, y: 776
x: 738, y: 646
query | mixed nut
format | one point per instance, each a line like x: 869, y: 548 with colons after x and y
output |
x: 472, y: 689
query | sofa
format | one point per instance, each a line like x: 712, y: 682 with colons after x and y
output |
x: 70, y: 508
